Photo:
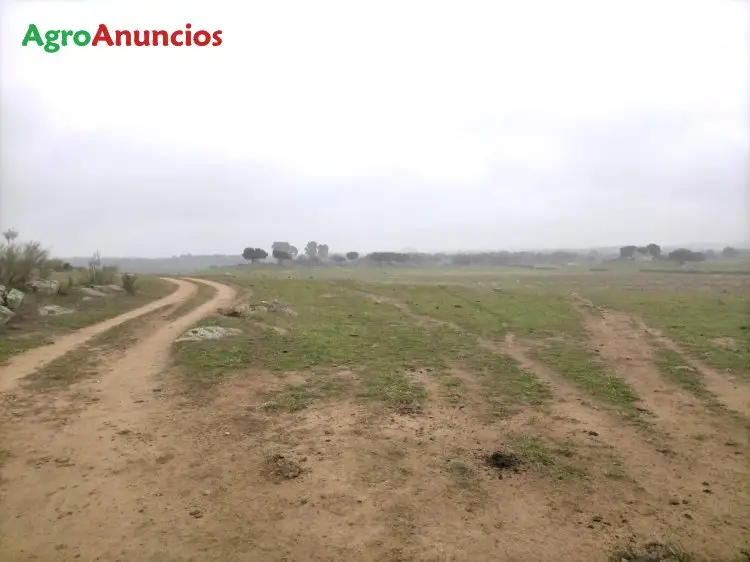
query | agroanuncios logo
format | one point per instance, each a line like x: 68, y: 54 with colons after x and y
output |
x: 54, y: 39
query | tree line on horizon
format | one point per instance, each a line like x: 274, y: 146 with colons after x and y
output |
x: 314, y: 252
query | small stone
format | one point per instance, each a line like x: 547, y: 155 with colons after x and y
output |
x: 196, y: 513
x: 674, y: 501
x: 597, y: 518
x: 688, y: 516
x: 227, y: 433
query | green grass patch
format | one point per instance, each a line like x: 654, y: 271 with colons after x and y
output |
x: 506, y: 386
x: 294, y: 398
x: 575, y: 362
x: 490, y: 313
x: 394, y: 389
x: 12, y: 344
x: 672, y: 366
x: 463, y: 476
x: 528, y: 314
x: 332, y: 326
x: 556, y: 458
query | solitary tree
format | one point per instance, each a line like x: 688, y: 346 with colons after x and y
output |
x: 351, y: 256
x: 683, y: 255
x: 627, y: 252
x: 323, y: 251
x: 654, y: 250
x: 338, y: 258
x: 729, y: 252
x: 254, y: 254
x: 280, y: 255
x: 312, y: 249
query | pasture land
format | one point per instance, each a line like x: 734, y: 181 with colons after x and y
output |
x: 398, y: 414
x: 477, y: 414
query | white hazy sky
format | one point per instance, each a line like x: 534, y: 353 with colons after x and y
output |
x: 379, y: 124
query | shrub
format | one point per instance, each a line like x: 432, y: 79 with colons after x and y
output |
x: 128, y: 283
x: 65, y: 288
x: 21, y: 262
x: 96, y: 275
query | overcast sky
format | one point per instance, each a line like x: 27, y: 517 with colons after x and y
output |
x: 379, y: 124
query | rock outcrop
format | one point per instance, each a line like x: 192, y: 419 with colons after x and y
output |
x: 44, y: 286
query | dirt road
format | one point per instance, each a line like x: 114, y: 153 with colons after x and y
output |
x: 26, y: 363
x: 78, y: 491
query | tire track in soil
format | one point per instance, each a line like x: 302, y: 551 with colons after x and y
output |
x: 728, y: 389
x: 26, y: 363
x: 629, y: 352
x: 661, y: 473
x: 65, y: 490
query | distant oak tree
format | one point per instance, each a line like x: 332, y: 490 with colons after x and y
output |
x: 628, y: 252
x: 254, y: 254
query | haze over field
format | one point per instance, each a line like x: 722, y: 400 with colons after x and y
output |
x: 379, y: 125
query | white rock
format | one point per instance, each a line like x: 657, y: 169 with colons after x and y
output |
x: 208, y: 333
x: 115, y: 288
x: 44, y: 286
x: 12, y: 298
x: 89, y: 292
x: 54, y: 310
x: 5, y: 315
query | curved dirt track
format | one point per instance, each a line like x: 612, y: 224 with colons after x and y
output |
x: 75, y: 491
x: 26, y: 363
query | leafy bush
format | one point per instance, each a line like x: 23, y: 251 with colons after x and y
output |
x: 21, y: 262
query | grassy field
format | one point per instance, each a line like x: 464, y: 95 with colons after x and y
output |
x: 614, y: 403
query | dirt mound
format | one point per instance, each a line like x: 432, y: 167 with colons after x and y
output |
x: 279, y: 468
x: 502, y: 461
